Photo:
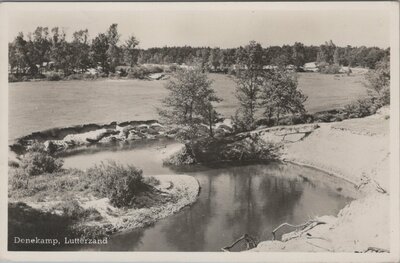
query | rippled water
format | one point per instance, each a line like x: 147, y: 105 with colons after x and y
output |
x: 234, y: 200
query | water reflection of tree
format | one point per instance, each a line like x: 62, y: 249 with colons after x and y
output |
x: 263, y: 198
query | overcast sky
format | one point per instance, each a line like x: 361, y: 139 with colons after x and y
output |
x: 222, y: 24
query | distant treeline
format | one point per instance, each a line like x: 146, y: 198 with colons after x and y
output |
x: 297, y: 55
x: 48, y: 50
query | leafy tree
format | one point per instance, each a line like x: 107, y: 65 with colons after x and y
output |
x: 298, y: 55
x: 326, y: 51
x: 310, y: 53
x: 250, y: 76
x: 336, y: 56
x: 379, y: 82
x: 80, y: 50
x: 130, y: 52
x: 98, y: 52
x: 214, y: 59
x: 41, y: 46
x: 61, y: 52
x: 189, y: 103
x: 18, y: 54
x: 279, y: 95
x: 113, y: 51
x: 281, y: 61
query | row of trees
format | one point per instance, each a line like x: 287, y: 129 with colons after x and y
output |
x: 191, y: 101
x: 366, y: 57
x: 297, y: 54
x: 28, y: 54
x: 274, y: 92
x: 50, y: 49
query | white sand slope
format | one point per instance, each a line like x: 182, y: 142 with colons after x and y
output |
x: 356, y: 150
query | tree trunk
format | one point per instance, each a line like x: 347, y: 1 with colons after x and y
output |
x: 210, y: 122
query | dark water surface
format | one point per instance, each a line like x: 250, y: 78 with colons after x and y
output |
x: 233, y: 200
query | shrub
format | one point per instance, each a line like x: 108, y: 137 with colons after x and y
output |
x: 232, y: 71
x: 80, y: 76
x: 38, y: 161
x: 323, y: 117
x: 302, y: 118
x: 172, y: 68
x: 181, y: 157
x: 25, y: 78
x: 18, y: 179
x: 362, y: 108
x: 102, y: 75
x: 73, y: 210
x: 117, y: 182
x: 114, y: 75
x: 329, y: 69
x: 123, y: 72
x: 138, y: 72
x: 379, y: 82
x: 13, y: 78
x: 54, y: 76
x: 150, y: 180
x: 154, y: 69
x: 12, y: 163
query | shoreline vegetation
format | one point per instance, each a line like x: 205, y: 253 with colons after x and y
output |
x: 48, y: 54
x: 90, y: 204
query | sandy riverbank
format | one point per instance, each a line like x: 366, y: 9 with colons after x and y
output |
x: 356, y: 150
x: 175, y: 192
x: 180, y: 191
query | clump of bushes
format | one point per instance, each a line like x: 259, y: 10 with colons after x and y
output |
x: 73, y: 210
x: 82, y: 76
x: 13, y: 78
x: 25, y: 78
x: 154, y: 69
x: 150, y: 180
x: 329, y: 68
x: 18, y: 179
x: 182, y: 157
x: 114, y: 75
x: 248, y: 149
x: 13, y: 164
x: 54, y: 76
x: 142, y: 71
x: 361, y: 108
x: 170, y: 68
x: 38, y: 161
x: 138, y: 72
x: 117, y: 182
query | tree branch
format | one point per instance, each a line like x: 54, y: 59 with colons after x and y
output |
x: 295, y: 226
x: 250, y: 243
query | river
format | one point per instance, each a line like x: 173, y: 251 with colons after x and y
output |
x: 234, y: 199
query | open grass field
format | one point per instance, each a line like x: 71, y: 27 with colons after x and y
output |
x: 35, y: 106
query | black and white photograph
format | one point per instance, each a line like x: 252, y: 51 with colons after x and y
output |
x: 245, y: 129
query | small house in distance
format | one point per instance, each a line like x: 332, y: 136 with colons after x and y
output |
x: 310, y: 67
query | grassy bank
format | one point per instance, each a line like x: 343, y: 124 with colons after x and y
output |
x: 88, y: 204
